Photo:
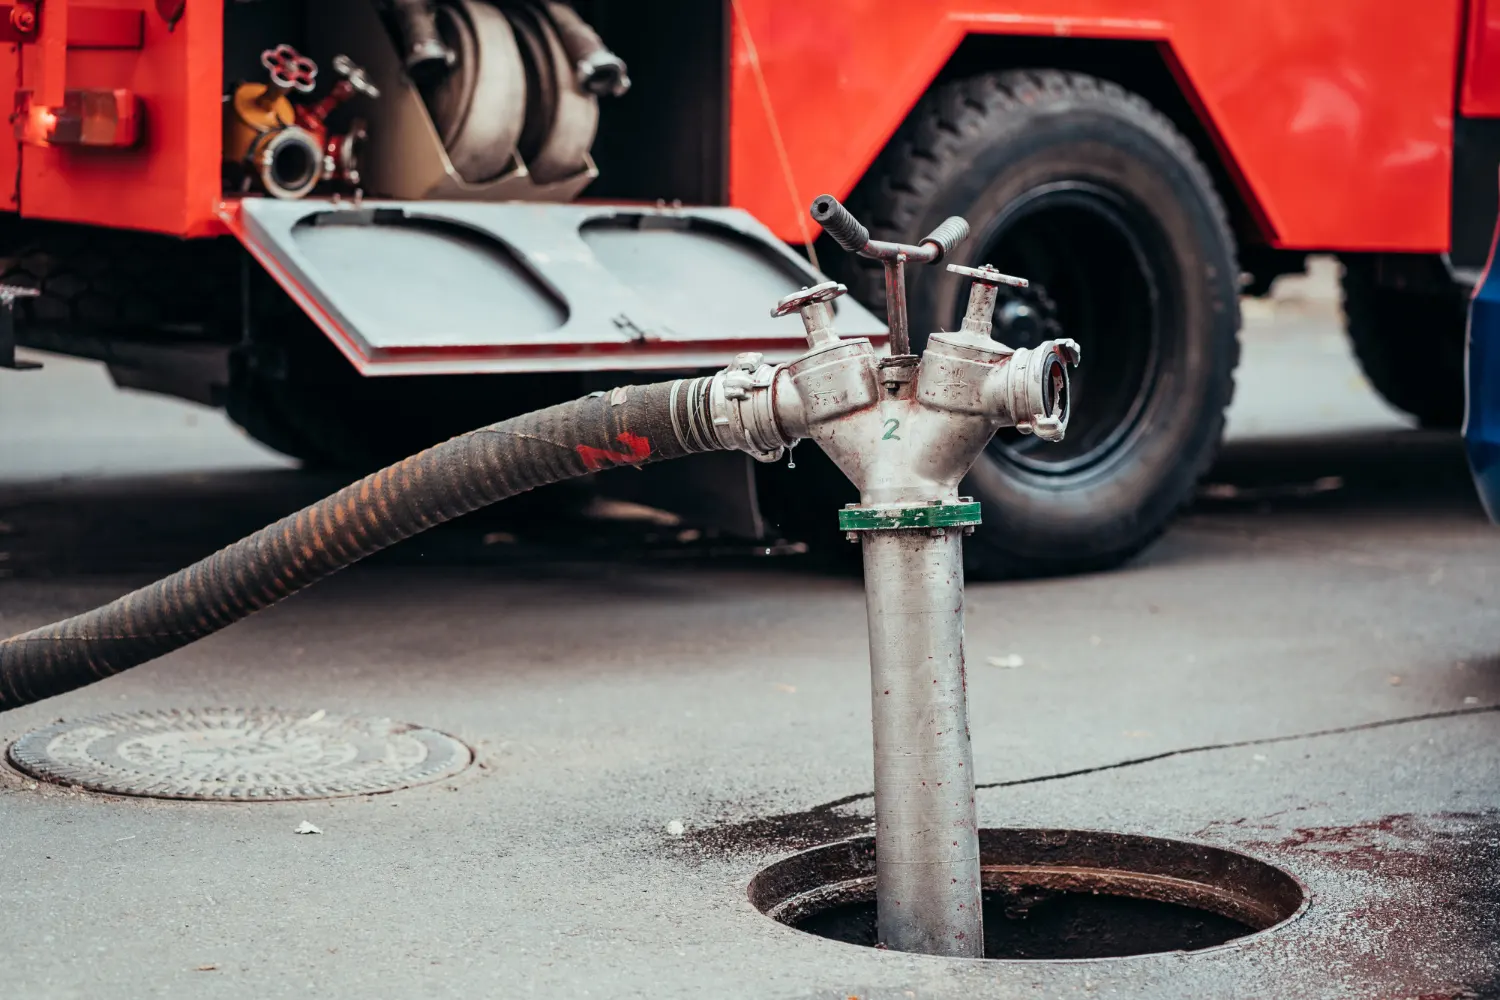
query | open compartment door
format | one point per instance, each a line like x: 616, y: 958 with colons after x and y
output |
x: 457, y: 287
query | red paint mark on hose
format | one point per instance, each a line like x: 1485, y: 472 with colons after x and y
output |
x: 637, y: 450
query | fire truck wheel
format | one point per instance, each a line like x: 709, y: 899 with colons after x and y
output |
x: 267, y: 410
x: 295, y: 393
x: 1390, y: 328
x: 1095, y: 197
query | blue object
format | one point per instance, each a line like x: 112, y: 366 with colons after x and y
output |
x: 1482, y: 372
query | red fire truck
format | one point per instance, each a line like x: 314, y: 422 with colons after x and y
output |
x: 361, y: 225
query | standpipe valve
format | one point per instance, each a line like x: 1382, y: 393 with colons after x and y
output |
x: 286, y: 148
x: 341, y: 152
x: 262, y: 137
x: 1034, y: 389
x: 905, y: 430
x: 979, y: 317
x: 817, y: 315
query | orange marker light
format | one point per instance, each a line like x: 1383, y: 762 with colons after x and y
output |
x: 86, y: 118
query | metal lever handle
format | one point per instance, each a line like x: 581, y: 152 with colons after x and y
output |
x: 986, y: 275
x: 837, y: 222
x: 357, y: 78
x: 947, y: 236
x: 848, y: 233
x: 314, y: 117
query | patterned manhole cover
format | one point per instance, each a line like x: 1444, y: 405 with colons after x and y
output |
x: 238, y: 755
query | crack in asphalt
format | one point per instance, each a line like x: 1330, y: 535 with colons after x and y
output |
x: 1204, y: 748
x: 821, y: 824
x: 1237, y: 744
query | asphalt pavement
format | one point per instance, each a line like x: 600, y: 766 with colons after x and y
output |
x: 1306, y: 669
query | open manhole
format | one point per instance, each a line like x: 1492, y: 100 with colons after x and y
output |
x: 1054, y: 894
x: 237, y: 755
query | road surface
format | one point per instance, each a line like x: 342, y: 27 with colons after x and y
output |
x: 1306, y: 668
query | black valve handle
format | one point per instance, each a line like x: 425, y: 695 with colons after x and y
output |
x: 838, y: 223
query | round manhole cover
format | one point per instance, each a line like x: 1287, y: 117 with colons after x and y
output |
x: 238, y: 755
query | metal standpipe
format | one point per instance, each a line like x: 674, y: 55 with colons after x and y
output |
x: 927, y: 840
x: 905, y: 430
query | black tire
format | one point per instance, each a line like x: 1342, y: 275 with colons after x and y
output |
x: 304, y: 400
x: 263, y: 409
x: 294, y: 392
x: 113, y: 281
x: 1387, y: 324
x: 1095, y: 196
x: 801, y: 496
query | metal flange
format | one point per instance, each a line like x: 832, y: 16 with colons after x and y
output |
x: 963, y: 514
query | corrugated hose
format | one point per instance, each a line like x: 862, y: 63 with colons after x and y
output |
x: 631, y: 425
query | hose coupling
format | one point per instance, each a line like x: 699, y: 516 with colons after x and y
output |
x: 1034, y: 388
x: 288, y: 161
x: 741, y: 404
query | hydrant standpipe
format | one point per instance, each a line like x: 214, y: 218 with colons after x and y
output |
x: 904, y: 429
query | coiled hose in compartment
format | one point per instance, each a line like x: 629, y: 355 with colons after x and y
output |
x: 631, y: 425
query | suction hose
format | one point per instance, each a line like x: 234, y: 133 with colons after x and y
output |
x: 631, y: 425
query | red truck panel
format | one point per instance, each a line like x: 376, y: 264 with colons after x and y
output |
x: 1337, y: 113
x: 1479, y: 96
x: 10, y: 151
x: 171, y: 184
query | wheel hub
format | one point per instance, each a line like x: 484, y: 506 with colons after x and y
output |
x: 1096, y: 275
x: 1024, y: 317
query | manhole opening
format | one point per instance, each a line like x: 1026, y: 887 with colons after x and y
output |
x: 1054, y: 894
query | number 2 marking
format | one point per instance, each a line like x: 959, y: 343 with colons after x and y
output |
x: 890, y: 430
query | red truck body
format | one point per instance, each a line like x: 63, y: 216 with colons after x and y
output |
x: 1142, y: 162
x: 1335, y: 119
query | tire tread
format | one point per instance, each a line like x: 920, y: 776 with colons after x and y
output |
x: 1385, y: 323
x: 934, y: 142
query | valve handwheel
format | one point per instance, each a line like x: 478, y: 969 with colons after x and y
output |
x: 825, y: 292
x: 989, y: 276
x: 290, y: 69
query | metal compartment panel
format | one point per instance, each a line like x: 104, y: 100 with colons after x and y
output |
x: 460, y: 287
